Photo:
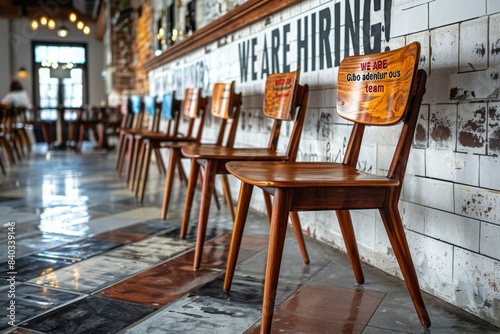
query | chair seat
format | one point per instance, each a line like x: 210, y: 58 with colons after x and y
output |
x: 306, y: 174
x: 232, y: 154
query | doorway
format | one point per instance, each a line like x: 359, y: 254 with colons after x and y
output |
x: 60, y: 78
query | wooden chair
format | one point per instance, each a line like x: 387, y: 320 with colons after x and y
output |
x: 151, y: 141
x: 225, y: 106
x: 45, y: 126
x: 194, y: 108
x: 133, y: 123
x: 8, y: 140
x: 284, y: 100
x: 303, y: 186
x: 153, y: 111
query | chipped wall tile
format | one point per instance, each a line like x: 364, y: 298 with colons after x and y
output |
x: 452, y: 166
x: 416, y: 162
x: 412, y: 216
x: 433, y: 260
x: 493, y: 6
x: 421, y: 137
x: 442, y: 126
x: 424, y: 38
x: 456, y: 230
x: 477, y: 203
x: 471, y: 85
x: 474, y: 45
x: 494, y: 128
x: 444, y: 50
x: 477, y: 284
x: 428, y: 192
x: 409, y: 20
x: 444, y: 12
x: 494, y: 38
x: 488, y: 172
x: 490, y: 234
x: 471, y: 128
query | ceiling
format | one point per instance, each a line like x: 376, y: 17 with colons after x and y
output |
x: 58, y: 9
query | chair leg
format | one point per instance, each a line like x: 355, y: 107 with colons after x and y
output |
x: 299, y: 235
x: 269, y: 205
x: 119, y: 149
x: 175, y: 155
x: 344, y: 218
x: 395, y: 231
x: 121, y: 156
x: 159, y: 161
x: 206, y: 198
x: 133, y: 154
x: 281, y: 208
x: 227, y: 195
x: 7, y: 149
x: 182, y: 174
x: 145, y: 170
x: 239, y: 225
x: 193, y: 175
x: 47, y: 137
x: 2, y: 167
x: 140, y: 166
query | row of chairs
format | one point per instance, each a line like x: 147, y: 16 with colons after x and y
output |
x: 295, y: 186
x: 14, y: 139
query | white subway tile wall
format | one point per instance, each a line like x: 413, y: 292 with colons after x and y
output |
x: 451, y: 197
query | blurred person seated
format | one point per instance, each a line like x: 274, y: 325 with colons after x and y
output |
x: 17, y: 96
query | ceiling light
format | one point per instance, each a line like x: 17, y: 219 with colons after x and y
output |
x: 43, y: 20
x: 62, y: 31
x: 86, y: 30
x: 80, y: 25
x: 34, y: 24
x: 72, y: 17
x: 51, y: 24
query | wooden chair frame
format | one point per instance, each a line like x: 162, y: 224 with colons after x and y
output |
x: 306, y: 186
x: 277, y: 105
x: 194, y: 107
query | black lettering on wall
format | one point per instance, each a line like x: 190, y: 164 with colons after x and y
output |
x: 387, y: 21
x: 374, y: 31
x: 351, y: 31
x: 302, y: 44
x: 315, y: 33
x: 265, y: 61
x: 244, y: 52
x: 337, y: 34
x: 313, y: 42
x: 286, y: 47
x: 254, y: 58
x: 325, y: 23
x: 275, y: 47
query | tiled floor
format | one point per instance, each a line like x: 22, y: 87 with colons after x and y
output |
x: 91, y: 259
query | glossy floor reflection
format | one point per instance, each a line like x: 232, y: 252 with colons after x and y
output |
x: 91, y: 259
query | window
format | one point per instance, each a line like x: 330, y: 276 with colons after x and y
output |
x: 60, y: 77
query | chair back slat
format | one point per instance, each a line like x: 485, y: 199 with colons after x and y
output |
x: 226, y: 106
x: 170, y: 110
x: 279, y: 95
x: 286, y: 100
x: 194, y: 107
x: 375, y: 89
x: 136, y: 105
x: 191, y: 100
x: 399, y: 101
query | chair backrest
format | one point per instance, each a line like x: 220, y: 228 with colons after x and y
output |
x: 152, y: 109
x: 136, y: 107
x: 194, y: 107
x: 170, y: 112
x: 226, y: 105
x: 286, y: 100
x: 382, y: 89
